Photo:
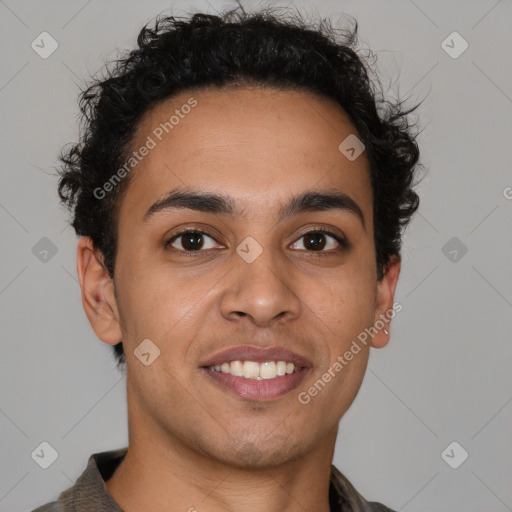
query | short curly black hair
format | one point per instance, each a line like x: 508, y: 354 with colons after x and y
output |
x: 236, y: 48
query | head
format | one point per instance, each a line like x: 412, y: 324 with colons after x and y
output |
x: 239, y: 128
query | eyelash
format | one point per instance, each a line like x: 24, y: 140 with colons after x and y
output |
x: 341, y: 241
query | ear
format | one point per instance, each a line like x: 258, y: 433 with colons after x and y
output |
x: 97, y: 290
x: 384, y: 302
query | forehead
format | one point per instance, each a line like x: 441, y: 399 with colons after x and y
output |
x: 259, y: 146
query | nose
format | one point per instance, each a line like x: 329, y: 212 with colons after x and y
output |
x: 260, y: 292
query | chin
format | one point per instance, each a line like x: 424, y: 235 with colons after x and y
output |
x: 262, y: 455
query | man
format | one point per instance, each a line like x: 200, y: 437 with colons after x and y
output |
x: 240, y: 194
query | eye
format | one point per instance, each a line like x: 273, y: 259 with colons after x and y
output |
x: 191, y: 240
x: 315, y: 241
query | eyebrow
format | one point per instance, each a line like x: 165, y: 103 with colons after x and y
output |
x: 219, y: 204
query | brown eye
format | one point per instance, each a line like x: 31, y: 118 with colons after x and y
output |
x: 315, y: 241
x: 191, y: 240
x: 318, y: 240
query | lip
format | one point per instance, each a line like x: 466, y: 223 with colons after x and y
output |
x: 252, y: 389
x: 257, y: 354
x: 258, y: 390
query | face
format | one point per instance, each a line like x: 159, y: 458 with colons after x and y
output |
x: 251, y: 274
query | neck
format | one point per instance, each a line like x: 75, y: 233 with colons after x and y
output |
x: 165, y: 475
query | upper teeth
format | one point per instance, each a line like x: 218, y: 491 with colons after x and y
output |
x: 255, y: 370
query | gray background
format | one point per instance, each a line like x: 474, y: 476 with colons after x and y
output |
x: 445, y: 376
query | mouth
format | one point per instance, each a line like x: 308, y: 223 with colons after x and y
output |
x: 257, y: 374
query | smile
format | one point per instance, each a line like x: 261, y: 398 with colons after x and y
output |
x: 255, y: 370
x: 256, y: 381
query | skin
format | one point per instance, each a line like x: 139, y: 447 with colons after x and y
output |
x: 191, y: 443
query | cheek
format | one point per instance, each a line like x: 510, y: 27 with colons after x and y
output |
x: 162, y: 306
x: 343, y: 302
x: 342, y: 310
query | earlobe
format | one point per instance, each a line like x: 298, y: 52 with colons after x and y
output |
x: 97, y: 289
x: 384, y: 304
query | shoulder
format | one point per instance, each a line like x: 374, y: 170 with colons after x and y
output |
x: 63, y: 504
x: 89, y: 493
x: 54, y: 506
x: 378, y: 507
x: 350, y: 498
